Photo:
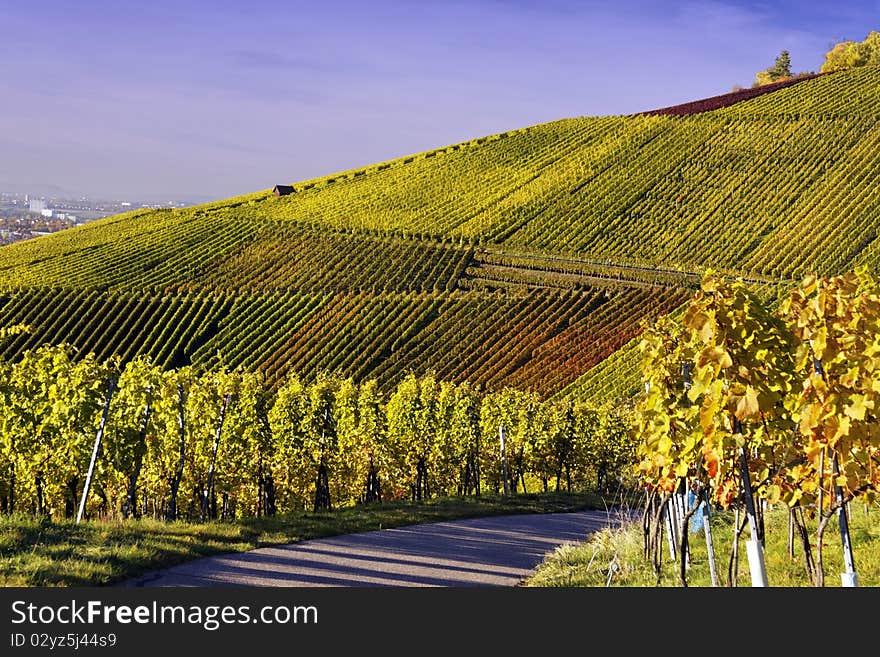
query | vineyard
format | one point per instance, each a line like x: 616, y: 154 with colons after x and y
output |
x: 748, y: 406
x: 203, y: 444
x: 529, y: 260
x: 523, y: 249
x: 537, y: 340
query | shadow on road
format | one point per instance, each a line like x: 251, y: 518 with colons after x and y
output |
x: 495, y: 551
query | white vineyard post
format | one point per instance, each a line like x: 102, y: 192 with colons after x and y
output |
x: 848, y: 578
x: 754, y: 547
x: 95, y: 449
x: 707, y: 530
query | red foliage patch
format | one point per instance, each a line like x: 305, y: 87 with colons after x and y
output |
x: 725, y: 100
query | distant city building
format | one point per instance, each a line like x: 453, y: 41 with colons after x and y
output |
x: 36, y: 205
x: 46, y: 212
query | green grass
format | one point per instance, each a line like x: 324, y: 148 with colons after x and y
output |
x: 36, y: 552
x: 619, y: 551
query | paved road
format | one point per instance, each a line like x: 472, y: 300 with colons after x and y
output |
x: 496, y: 551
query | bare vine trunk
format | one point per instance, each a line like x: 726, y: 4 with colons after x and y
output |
x: 801, y: 528
x: 130, y: 506
x: 171, y: 515
x: 733, y: 565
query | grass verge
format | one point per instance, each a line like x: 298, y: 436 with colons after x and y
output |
x: 614, y: 556
x: 42, y: 552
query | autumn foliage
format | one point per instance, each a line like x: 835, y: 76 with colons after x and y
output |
x: 797, y: 388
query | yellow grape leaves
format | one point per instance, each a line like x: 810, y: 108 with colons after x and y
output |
x: 748, y: 404
x: 843, y: 427
x: 707, y: 418
x: 773, y: 494
x: 858, y: 407
x: 700, y: 322
x: 715, y: 355
x: 819, y: 342
x: 789, y: 386
x: 809, y: 284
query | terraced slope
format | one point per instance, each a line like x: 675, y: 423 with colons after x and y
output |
x: 525, y: 258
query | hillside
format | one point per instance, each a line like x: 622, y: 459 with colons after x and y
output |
x: 524, y: 258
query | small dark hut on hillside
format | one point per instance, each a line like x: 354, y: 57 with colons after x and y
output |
x: 283, y: 190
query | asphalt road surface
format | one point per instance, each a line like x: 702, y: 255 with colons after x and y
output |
x: 494, y: 551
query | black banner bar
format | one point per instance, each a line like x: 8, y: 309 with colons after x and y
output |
x: 460, y: 621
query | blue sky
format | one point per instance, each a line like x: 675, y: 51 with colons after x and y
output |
x: 205, y: 100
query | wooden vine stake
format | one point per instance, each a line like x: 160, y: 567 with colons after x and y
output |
x: 501, y: 436
x: 668, y: 512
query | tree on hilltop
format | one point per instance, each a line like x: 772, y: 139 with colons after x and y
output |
x: 781, y: 70
x: 847, y: 54
x: 782, y: 66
